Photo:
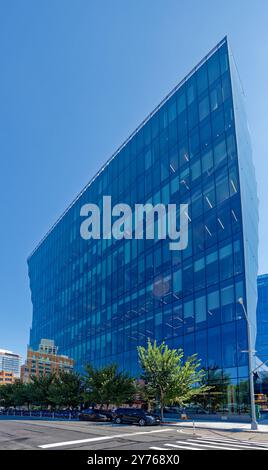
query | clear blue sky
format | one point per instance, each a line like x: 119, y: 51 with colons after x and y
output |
x: 76, y: 77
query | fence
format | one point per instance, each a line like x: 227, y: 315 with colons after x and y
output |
x: 68, y: 415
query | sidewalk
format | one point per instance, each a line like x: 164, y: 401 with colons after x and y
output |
x: 219, y: 425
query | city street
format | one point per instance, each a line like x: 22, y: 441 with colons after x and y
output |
x: 41, y: 435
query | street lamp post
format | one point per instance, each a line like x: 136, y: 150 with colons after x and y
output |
x: 254, y: 424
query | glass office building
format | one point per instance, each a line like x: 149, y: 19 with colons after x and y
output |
x: 100, y: 299
x: 10, y: 362
x: 262, y: 319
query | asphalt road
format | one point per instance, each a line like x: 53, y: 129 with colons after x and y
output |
x: 41, y: 435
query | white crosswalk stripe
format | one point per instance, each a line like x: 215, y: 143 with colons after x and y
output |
x: 158, y: 448
x: 222, y: 445
x: 210, y: 445
x: 233, y: 441
x: 185, y: 446
x: 217, y: 443
x: 226, y: 439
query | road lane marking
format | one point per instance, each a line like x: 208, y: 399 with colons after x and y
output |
x: 208, y: 446
x: 225, y: 439
x: 218, y: 445
x: 242, y: 445
x: 202, y: 444
x: 183, y: 447
x: 158, y: 448
x: 102, y: 438
x: 212, y: 438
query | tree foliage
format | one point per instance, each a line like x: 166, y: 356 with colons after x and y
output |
x: 39, y: 390
x: 6, y: 395
x: 108, y: 386
x: 55, y: 392
x: 168, y: 377
x: 66, y: 390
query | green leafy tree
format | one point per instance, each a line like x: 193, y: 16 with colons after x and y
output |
x: 123, y: 389
x: 6, y: 395
x: 147, y: 394
x: 65, y: 390
x: 19, y: 393
x: 38, y: 391
x: 170, y: 379
x: 32, y: 394
x: 108, y: 386
x: 14, y: 394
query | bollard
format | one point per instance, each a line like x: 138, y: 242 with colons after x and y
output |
x: 194, y: 433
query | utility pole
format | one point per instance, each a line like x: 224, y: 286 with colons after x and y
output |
x: 254, y: 424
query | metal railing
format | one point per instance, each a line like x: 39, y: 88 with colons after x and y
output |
x: 68, y: 415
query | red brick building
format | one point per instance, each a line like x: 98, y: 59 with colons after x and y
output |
x: 45, y: 361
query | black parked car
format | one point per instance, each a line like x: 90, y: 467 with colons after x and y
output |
x: 135, y: 415
x: 107, y: 413
x: 93, y: 415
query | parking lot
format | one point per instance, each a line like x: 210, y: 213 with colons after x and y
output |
x: 42, y: 435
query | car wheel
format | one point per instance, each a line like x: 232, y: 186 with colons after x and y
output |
x: 142, y: 422
x: 118, y: 420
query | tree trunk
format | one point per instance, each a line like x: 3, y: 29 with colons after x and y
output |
x: 162, y: 405
x: 162, y: 411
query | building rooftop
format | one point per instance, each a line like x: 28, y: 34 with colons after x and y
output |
x: 6, y: 351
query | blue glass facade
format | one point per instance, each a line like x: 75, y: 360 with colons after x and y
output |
x: 100, y: 299
x: 262, y: 319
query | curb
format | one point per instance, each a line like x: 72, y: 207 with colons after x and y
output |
x: 233, y: 429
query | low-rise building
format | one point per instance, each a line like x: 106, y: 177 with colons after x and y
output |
x: 6, y: 377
